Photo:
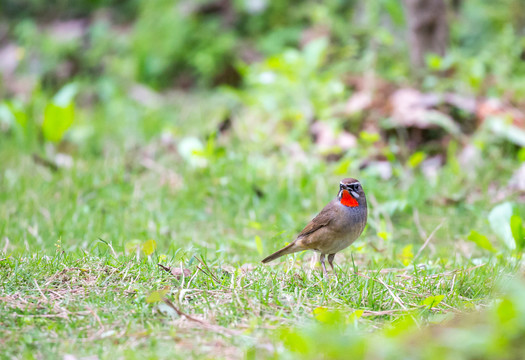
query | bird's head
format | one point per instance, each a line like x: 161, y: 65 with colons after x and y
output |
x: 351, y: 192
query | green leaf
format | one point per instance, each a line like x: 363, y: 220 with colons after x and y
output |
x: 369, y: 137
x: 434, y: 61
x: 157, y: 296
x: 383, y: 235
x: 342, y: 167
x: 192, y: 150
x: 149, y: 247
x: 131, y: 246
x: 499, y: 219
x: 394, y: 8
x: 57, y: 120
x: 521, y: 154
x: 329, y: 317
x: 356, y: 315
x: 259, y: 244
x: 507, y: 131
x: 314, y: 52
x: 507, y: 312
x: 406, y: 255
x: 65, y: 96
x: 416, y: 159
x: 432, y: 301
x: 518, y: 231
x: 481, y: 240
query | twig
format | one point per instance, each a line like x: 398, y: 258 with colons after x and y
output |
x: 39, y: 290
x: 215, y: 328
x: 94, y: 313
x: 63, y: 316
x: 428, y: 239
x: 110, y: 247
x: 420, y: 229
x: 394, y: 296
x: 45, y: 162
x: 403, y: 291
x: 210, y: 273
x: 383, y: 312
x: 165, y: 268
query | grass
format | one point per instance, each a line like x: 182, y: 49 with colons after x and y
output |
x: 98, y: 305
x: 74, y: 279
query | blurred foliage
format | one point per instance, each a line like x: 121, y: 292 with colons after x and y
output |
x: 203, y: 42
x: 496, y: 333
x: 217, y: 127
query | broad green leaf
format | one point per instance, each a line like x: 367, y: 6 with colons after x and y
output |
x: 319, y: 310
x: 499, y: 219
x: 294, y: 340
x: 132, y: 246
x: 406, y: 255
x: 57, y: 119
x: 314, y: 52
x: 481, y: 240
x: 394, y: 8
x: 259, y: 244
x: 192, y: 149
x: 369, y: 137
x: 432, y: 301
x: 507, y: 131
x: 401, y: 325
x: 255, y: 225
x: 383, y: 235
x: 327, y: 316
x: 507, y: 311
x: 149, y: 247
x: 19, y: 114
x: 416, y: 159
x: 434, y: 61
x: 11, y: 112
x: 356, y: 315
x: 518, y: 231
x: 444, y: 121
x: 156, y: 296
x: 65, y: 96
x: 342, y: 167
x: 521, y: 154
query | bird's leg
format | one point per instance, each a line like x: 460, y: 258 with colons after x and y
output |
x: 331, y: 262
x: 325, y: 273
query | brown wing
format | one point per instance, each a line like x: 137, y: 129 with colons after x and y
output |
x: 321, y: 220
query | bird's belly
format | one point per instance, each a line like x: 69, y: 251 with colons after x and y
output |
x: 333, y: 242
x: 337, y: 244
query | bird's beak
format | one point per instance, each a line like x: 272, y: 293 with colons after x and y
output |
x: 352, y: 192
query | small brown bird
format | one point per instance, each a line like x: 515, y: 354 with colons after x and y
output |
x: 335, y: 228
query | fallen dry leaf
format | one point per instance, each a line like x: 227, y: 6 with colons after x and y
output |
x: 68, y: 30
x: 326, y: 139
x: 517, y: 181
x: 176, y: 271
x: 496, y: 107
x: 358, y: 102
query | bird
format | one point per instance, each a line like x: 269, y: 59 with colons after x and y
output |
x: 335, y: 228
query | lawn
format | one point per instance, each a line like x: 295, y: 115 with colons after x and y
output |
x: 141, y: 252
x: 152, y: 153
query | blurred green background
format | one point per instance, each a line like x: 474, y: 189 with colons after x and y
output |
x: 223, y: 126
x: 218, y: 129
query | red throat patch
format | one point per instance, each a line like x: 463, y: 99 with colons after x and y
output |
x: 348, y: 200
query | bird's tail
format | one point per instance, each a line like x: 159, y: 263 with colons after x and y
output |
x: 289, y: 249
